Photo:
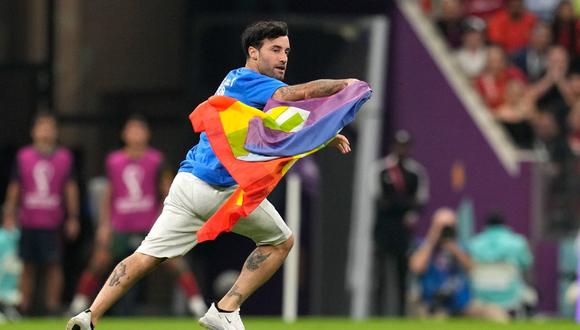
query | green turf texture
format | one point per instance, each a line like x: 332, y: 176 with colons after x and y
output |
x: 138, y: 323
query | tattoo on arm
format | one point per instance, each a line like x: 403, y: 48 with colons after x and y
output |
x: 316, y: 88
x: 118, y: 273
x: 325, y: 87
x: 255, y: 259
x: 290, y: 93
x: 234, y: 293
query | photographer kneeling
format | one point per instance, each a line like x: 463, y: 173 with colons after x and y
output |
x: 442, y: 267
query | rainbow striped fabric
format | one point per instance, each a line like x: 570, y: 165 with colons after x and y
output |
x: 258, y: 147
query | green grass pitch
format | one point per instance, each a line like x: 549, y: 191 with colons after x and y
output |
x: 139, y: 323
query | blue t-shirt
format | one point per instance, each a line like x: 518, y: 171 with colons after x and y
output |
x: 445, y: 284
x: 248, y: 87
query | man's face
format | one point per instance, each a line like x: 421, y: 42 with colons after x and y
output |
x: 473, y: 39
x: 557, y: 59
x: 496, y: 61
x: 451, y: 9
x: 272, y: 57
x: 402, y: 150
x: 565, y: 11
x: 135, y: 133
x: 45, y: 131
x: 541, y: 37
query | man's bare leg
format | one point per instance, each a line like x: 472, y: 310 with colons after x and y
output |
x: 54, y: 285
x: 27, y: 285
x: 127, y: 272
x: 262, y: 263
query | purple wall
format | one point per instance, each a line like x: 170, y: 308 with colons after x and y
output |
x: 420, y: 100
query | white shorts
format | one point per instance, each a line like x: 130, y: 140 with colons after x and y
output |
x: 190, y: 202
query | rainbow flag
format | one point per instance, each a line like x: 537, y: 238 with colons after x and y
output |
x: 259, y: 147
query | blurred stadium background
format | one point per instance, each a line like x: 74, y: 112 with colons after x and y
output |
x: 92, y: 63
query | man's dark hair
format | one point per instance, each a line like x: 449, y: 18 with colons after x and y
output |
x: 43, y: 114
x: 255, y: 33
x: 136, y: 116
x: 495, y: 218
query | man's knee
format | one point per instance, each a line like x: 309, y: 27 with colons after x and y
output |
x: 145, y: 261
x: 286, y: 246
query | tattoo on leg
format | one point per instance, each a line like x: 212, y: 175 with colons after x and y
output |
x: 120, y: 271
x: 255, y: 259
x: 234, y: 293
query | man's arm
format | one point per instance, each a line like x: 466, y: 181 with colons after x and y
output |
x: 464, y: 259
x: 104, y: 224
x: 72, y: 224
x: 523, y: 255
x: 312, y: 89
x: 341, y: 143
x: 420, y: 259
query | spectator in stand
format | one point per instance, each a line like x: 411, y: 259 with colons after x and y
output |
x: 480, y: 8
x: 442, y: 266
x: 566, y: 28
x: 498, y: 250
x: 516, y: 112
x: 491, y: 84
x: 42, y: 199
x: 483, y: 8
x: 450, y: 22
x: 532, y: 59
x: 552, y: 89
x: 473, y: 51
x: 511, y: 28
x: 543, y: 9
